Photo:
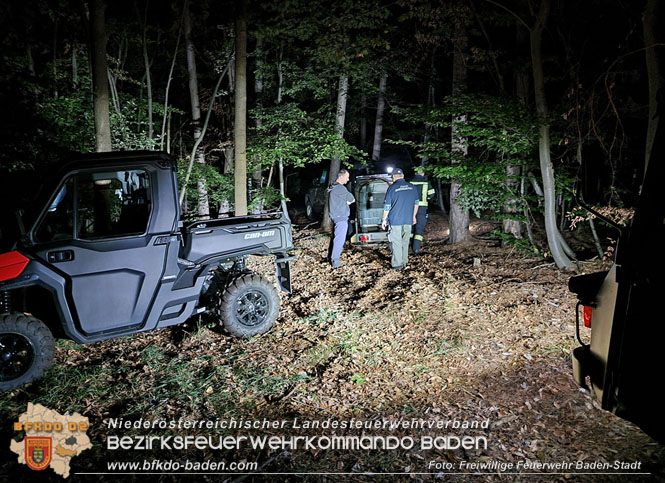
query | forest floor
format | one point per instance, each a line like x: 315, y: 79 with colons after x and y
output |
x: 475, y: 335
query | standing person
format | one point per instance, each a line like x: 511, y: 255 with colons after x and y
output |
x: 399, y: 211
x: 339, y: 199
x: 426, y: 192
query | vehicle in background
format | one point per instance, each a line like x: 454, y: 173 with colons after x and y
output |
x: 316, y: 196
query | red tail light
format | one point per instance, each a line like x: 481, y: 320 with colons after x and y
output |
x: 363, y: 238
x: 587, y: 313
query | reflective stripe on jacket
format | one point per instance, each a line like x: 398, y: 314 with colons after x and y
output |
x: 424, y: 188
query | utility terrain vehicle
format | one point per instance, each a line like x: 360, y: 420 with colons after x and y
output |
x: 107, y: 255
x: 621, y: 307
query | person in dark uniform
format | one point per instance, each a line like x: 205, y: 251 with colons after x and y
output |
x: 399, y: 211
x: 339, y: 199
x: 426, y: 193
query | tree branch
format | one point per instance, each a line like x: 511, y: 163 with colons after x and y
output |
x: 203, y: 132
x: 519, y: 19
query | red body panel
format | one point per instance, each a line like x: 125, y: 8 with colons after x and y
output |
x: 12, y: 265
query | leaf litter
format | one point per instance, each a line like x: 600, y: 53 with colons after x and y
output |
x: 446, y: 339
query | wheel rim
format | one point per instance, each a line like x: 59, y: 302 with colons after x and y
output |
x: 309, y: 209
x: 252, y: 308
x: 16, y: 356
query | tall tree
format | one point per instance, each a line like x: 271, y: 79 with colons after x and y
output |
x: 240, y: 124
x: 458, y: 215
x: 653, y: 52
x: 335, y: 161
x: 203, y: 206
x: 146, y: 64
x: 511, y: 225
x: 100, y: 85
x: 554, y: 238
x: 378, y: 125
x: 363, y: 120
x: 257, y: 177
x: 166, y: 133
x: 558, y: 247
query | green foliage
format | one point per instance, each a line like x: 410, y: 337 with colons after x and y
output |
x: 492, y: 124
x: 218, y: 186
x: 496, y: 132
x: 522, y: 244
x: 304, y: 81
x: 483, y: 183
x: 68, y: 114
x: 267, y: 198
x: 290, y: 134
x: 72, y: 120
x: 129, y: 127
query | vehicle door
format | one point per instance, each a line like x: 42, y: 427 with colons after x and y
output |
x: 370, y: 196
x: 96, y: 233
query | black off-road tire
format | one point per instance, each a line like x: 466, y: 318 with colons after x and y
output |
x: 250, y: 305
x: 27, y: 349
x: 309, y: 209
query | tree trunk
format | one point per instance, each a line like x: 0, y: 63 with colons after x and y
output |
x: 335, y: 162
x: 31, y: 68
x: 203, y: 206
x: 240, y: 123
x: 458, y: 215
x: 439, y: 197
x: 258, y: 92
x: 166, y: 94
x: 75, y: 66
x: 30, y: 59
x: 378, y: 125
x: 55, y: 58
x: 202, y: 134
x: 490, y: 47
x: 168, y: 132
x: 100, y: 85
x: 512, y: 226
x: 363, y: 121
x: 433, y: 130
x: 655, y: 76
x: 282, y: 185
x: 514, y: 171
x: 114, y: 93
x: 527, y: 215
x: 547, y: 172
x: 146, y: 62
x: 229, y: 152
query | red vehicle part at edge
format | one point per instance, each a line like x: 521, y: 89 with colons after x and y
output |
x: 12, y: 265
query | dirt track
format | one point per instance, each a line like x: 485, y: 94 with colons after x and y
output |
x: 447, y: 339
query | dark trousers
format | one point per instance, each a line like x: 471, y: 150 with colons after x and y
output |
x: 419, y: 228
x: 338, y: 240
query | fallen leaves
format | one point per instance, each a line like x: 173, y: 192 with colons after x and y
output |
x: 442, y: 339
